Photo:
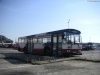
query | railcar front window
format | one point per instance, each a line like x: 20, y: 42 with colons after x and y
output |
x: 72, y: 39
x: 77, y: 38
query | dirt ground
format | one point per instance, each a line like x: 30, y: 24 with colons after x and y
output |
x: 68, y: 67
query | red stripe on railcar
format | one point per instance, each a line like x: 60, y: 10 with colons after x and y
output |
x: 38, y: 51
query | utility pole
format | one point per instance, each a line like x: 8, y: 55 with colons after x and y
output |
x: 68, y: 23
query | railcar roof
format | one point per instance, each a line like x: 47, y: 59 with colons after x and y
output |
x: 73, y: 31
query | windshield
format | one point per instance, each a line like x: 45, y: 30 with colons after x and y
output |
x: 73, y: 38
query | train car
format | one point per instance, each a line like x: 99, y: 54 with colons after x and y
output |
x: 60, y: 42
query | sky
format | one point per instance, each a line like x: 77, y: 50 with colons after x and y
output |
x: 26, y: 17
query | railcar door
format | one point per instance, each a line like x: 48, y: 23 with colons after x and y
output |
x: 30, y: 45
x: 57, y: 44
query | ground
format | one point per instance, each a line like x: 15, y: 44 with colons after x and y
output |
x: 69, y: 67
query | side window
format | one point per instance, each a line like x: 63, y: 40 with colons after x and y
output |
x: 64, y: 34
x: 34, y: 40
x: 44, y: 40
x: 49, y: 39
x: 40, y: 40
x: 25, y: 40
x: 64, y: 41
x: 54, y: 39
x: 30, y: 40
x: 22, y: 41
x: 60, y: 38
x: 19, y: 40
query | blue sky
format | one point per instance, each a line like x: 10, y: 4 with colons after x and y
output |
x: 25, y: 17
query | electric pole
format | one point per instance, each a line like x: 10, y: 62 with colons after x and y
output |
x: 68, y: 23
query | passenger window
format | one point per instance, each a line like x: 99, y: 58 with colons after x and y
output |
x: 39, y: 40
x: 54, y: 39
x: 48, y: 39
x: 34, y: 40
x: 22, y: 41
x: 19, y: 40
x: 44, y: 40
x: 25, y: 40
x: 60, y: 39
x: 64, y: 41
